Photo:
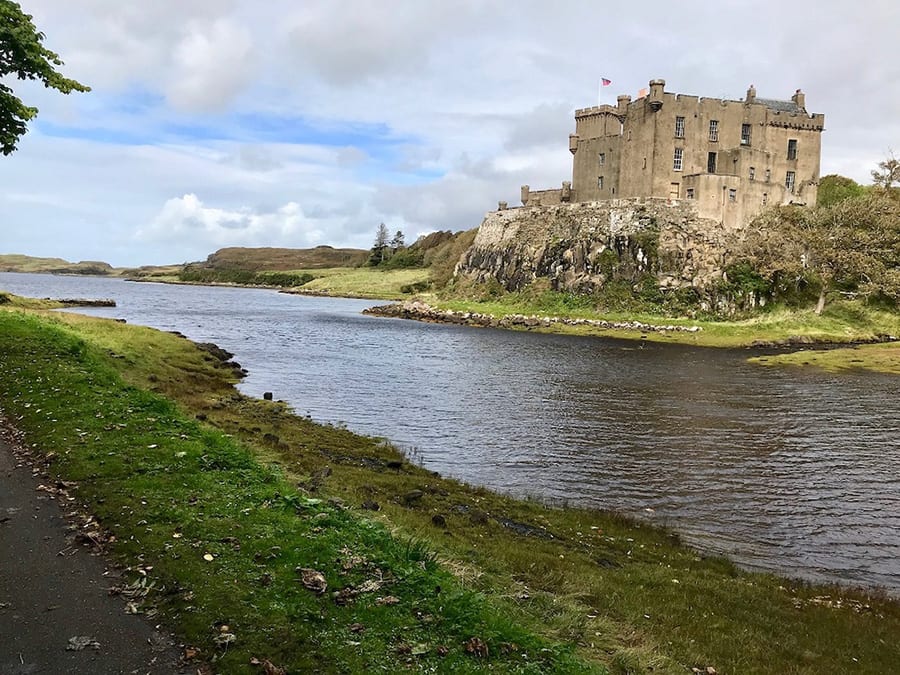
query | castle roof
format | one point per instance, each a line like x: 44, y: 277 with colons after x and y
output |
x: 780, y: 106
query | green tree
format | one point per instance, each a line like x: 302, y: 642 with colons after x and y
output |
x: 887, y: 173
x: 834, y: 188
x: 23, y: 56
x: 852, y: 246
x: 380, y: 250
x: 398, y: 242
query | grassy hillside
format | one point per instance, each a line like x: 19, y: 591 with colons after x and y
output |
x: 232, y: 498
x: 24, y: 263
x: 284, y: 259
x: 363, y: 282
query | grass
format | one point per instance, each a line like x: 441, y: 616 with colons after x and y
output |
x: 842, y: 322
x: 884, y: 358
x: 12, y: 262
x: 223, y: 539
x: 362, y: 282
x: 264, y: 491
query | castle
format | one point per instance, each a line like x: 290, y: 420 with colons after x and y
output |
x: 728, y: 159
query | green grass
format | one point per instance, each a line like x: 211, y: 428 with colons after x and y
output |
x: 841, y: 322
x: 884, y: 358
x: 13, y: 262
x: 221, y: 536
x: 362, y: 282
x: 625, y: 597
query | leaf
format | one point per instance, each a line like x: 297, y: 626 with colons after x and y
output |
x: 313, y: 580
x: 81, y: 642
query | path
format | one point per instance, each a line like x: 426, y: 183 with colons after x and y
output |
x: 52, y: 589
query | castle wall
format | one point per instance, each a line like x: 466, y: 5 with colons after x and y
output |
x: 639, y: 140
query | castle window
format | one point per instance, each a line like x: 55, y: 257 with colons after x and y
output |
x: 689, y: 193
x: 714, y: 131
x: 600, y: 182
x: 678, y: 160
x: 732, y: 195
x: 792, y: 149
x: 789, y: 179
x: 745, y: 134
x: 768, y: 175
x: 679, y: 127
x: 752, y: 173
x: 601, y: 158
x: 765, y: 198
x: 711, y: 163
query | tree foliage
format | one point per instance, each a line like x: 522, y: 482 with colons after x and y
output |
x: 380, y: 250
x: 22, y: 55
x: 851, y: 246
x: 887, y: 173
x: 834, y: 188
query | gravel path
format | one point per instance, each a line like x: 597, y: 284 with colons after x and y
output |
x: 56, y: 614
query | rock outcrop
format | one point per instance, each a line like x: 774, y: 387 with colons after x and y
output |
x: 581, y: 247
x: 420, y: 311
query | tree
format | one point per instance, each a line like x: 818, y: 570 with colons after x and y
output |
x: 23, y: 55
x: 851, y: 246
x: 397, y: 242
x: 887, y: 173
x: 380, y: 250
x: 834, y: 188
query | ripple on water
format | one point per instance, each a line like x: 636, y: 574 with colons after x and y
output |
x: 785, y: 470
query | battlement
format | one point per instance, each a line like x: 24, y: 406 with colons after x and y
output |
x: 596, y: 110
x: 729, y: 158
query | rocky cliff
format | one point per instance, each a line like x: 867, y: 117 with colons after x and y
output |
x: 581, y: 247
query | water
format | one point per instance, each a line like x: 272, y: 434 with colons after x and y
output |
x: 783, y: 470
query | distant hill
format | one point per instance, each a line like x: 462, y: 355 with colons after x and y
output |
x: 25, y: 263
x: 282, y: 259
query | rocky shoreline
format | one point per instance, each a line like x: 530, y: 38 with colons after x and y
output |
x: 420, y: 311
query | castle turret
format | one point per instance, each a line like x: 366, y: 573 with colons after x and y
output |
x: 655, y: 98
x: 623, y: 101
x: 751, y: 94
x: 800, y: 99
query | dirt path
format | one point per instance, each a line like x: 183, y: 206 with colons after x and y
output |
x: 53, y: 589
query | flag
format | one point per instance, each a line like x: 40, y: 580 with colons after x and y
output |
x: 605, y: 82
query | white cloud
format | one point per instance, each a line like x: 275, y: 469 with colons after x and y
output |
x: 212, y: 64
x: 208, y: 118
x: 187, y: 219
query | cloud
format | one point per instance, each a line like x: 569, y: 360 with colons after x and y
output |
x: 186, y: 218
x: 212, y: 63
x: 209, y: 117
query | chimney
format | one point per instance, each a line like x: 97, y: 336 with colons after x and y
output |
x: 751, y: 94
x: 655, y: 99
x: 800, y: 99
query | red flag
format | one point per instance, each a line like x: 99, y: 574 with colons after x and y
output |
x: 605, y: 82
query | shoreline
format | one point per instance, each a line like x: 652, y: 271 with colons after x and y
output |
x: 548, y: 564
x: 417, y: 310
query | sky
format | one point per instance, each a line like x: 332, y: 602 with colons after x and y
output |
x: 216, y: 123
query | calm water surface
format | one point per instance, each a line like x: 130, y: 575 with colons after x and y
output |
x: 783, y: 470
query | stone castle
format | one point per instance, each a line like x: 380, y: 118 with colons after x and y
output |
x: 727, y: 159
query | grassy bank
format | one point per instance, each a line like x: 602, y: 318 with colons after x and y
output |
x: 225, y: 497
x: 363, y: 282
x: 878, y: 358
x: 348, y: 282
x: 841, y: 322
